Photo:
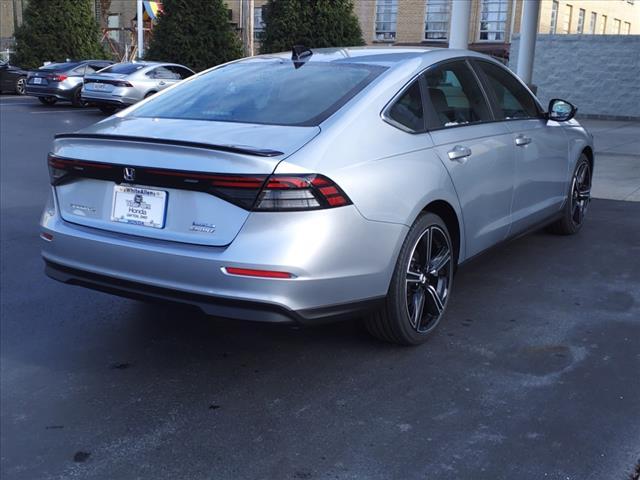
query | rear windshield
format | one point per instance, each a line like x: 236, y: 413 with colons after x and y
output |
x: 268, y: 92
x: 123, y: 68
x: 60, y: 66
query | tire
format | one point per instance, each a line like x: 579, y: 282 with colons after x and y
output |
x: 21, y: 86
x: 48, y: 100
x: 76, y: 99
x: 107, y: 109
x: 577, y: 202
x: 412, y: 281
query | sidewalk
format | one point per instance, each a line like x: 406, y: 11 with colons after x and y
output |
x: 617, y: 152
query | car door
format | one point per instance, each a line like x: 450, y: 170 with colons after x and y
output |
x: 477, y: 152
x: 541, y: 160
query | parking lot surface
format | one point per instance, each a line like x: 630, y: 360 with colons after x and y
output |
x: 533, y: 374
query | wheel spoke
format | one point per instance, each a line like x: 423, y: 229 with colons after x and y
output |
x: 436, y: 301
x: 584, y: 193
x: 428, y: 238
x: 440, y: 261
x: 418, y: 308
x: 413, y: 277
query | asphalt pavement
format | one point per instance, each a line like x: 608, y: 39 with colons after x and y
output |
x: 533, y: 374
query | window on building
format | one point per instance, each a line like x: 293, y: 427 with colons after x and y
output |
x: 580, y: 27
x: 258, y: 24
x: 407, y: 110
x: 493, y: 19
x: 436, y: 20
x: 627, y: 28
x: 617, y: 26
x: 386, y: 20
x: 604, y: 25
x: 113, y: 21
x: 592, y: 23
x: 566, y: 21
x: 553, y: 26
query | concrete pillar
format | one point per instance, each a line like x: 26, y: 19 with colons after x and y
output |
x: 459, y: 31
x: 528, y: 34
x: 140, y: 20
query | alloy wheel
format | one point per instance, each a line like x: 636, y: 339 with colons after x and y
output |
x: 580, y: 193
x: 428, y: 279
x: 21, y: 86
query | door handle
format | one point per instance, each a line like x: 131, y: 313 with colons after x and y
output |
x: 459, y: 153
x: 521, y: 140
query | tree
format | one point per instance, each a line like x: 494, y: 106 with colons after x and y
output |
x: 54, y: 30
x: 194, y: 33
x: 312, y: 23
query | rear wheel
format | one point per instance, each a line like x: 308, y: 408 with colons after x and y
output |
x: 21, y: 86
x: 149, y: 94
x: 577, y: 202
x: 48, y: 100
x: 420, y: 286
x: 77, y: 100
x: 107, y: 109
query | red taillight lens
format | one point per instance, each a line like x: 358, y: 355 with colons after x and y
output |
x: 57, y: 77
x: 120, y: 83
x: 249, y: 272
x: 305, y: 192
x: 59, y: 168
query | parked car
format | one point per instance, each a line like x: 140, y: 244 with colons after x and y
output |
x: 62, y: 81
x: 124, y: 84
x: 336, y: 182
x: 12, y: 79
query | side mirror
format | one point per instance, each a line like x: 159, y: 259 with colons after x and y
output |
x: 561, y: 110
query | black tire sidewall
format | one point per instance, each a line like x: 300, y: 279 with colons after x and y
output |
x: 396, y: 299
x: 568, y: 214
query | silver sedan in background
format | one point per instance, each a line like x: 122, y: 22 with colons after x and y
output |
x: 124, y: 84
x: 317, y: 185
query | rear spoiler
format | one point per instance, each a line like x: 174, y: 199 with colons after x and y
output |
x: 241, y: 149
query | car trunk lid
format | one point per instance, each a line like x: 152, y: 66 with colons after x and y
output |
x: 178, y: 171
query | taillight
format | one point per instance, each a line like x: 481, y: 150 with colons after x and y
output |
x: 305, y: 192
x: 57, y: 77
x: 60, y: 168
x: 121, y: 83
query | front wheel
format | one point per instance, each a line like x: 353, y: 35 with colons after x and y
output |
x: 420, y: 286
x: 48, y: 100
x: 577, y: 202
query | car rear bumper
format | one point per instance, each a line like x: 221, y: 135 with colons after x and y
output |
x: 341, y: 262
x: 60, y: 94
x: 107, y: 98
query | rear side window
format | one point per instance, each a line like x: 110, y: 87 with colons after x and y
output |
x: 510, y: 98
x: 180, y: 71
x: 454, y: 96
x: 407, y: 110
x: 274, y: 92
x: 124, y: 68
x: 163, y: 73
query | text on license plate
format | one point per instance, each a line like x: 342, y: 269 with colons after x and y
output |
x: 37, y: 80
x: 139, y: 206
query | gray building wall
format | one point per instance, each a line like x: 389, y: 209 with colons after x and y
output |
x: 600, y: 74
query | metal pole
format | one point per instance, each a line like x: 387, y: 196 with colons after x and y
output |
x: 459, y: 31
x: 528, y: 34
x: 246, y: 21
x: 139, y: 15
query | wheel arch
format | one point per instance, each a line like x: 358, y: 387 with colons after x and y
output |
x: 588, y: 151
x: 445, y: 210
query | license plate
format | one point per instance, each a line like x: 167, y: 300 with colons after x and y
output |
x: 98, y: 86
x: 139, y: 206
x: 37, y: 80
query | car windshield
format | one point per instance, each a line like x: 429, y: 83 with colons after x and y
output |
x: 271, y: 92
x: 123, y: 68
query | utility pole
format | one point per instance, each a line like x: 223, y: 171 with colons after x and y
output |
x: 246, y: 21
x: 139, y: 15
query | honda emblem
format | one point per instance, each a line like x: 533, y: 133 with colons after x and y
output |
x: 129, y: 174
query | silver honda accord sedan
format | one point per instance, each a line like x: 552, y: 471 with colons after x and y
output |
x: 315, y: 185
